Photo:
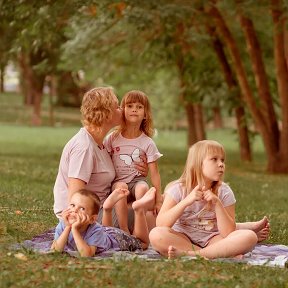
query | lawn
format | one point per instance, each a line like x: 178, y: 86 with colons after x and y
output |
x: 29, y: 160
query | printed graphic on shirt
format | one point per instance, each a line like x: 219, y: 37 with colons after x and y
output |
x: 204, y: 220
x: 129, y: 159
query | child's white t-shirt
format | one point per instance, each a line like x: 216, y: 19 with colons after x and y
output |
x: 125, y: 152
x: 196, y: 222
x: 83, y: 159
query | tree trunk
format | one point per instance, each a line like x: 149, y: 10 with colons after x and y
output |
x: 25, y: 75
x: 2, y: 73
x: 242, y: 128
x: 199, y: 121
x: 259, y: 119
x: 192, y: 133
x: 217, y: 117
x: 261, y: 79
x: 68, y: 92
x: 244, y: 142
x: 282, y: 83
x: 32, y: 84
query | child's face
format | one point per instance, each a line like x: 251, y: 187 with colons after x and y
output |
x: 80, y: 204
x: 134, y: 112
x: 213, y: 167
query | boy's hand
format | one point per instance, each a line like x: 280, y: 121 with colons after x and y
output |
x: 81, y: 219
x: 65, y: 214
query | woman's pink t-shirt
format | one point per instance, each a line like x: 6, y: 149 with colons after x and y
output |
x: 83, y: 159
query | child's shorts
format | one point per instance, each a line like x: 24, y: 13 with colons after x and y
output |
x: 132, y: 185
x: 126, y: 242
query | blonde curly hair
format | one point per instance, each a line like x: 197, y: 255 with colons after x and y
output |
x: 97, y: 106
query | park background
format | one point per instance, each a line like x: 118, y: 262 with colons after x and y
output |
x: 212, y: 70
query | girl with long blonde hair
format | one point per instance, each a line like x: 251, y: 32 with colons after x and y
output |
x: 198, y: 213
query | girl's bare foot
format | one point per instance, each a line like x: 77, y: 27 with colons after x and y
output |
x: 114, y: 197
x: 174, y: 252
x: 146, y: 201
x: 262, y: 229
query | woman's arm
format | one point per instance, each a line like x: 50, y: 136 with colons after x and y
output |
x: 74, y: 184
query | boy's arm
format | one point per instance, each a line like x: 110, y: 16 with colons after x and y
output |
x: 59, y: 244
x: 83, y: 248
x: 156, y: 181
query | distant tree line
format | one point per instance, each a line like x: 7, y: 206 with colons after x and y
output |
x: 204, y: 58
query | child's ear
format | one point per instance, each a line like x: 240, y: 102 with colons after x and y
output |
x: 93, y: 218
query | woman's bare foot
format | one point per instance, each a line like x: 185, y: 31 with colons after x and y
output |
x: 262, y: 229
x: 146, y: 201
x: 114, y: 197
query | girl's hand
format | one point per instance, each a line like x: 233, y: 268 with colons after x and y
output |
x: 195, y: 195
x: 208, y: 195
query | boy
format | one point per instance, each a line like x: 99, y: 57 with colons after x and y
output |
x: 79, y: 231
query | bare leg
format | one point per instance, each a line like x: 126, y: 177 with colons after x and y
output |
x: 236, y: 243
x: 121, y: 208
x: 163, y: 237
x: 116, y: 196
x: 140, y: 207
x: 261, y: 228
x: 140, y: 190
x: 151, y: 220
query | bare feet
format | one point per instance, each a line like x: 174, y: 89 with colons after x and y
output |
x: 146, y: 201
x: 174, y: 253
x: 262, y: 229
x: 114, y: 197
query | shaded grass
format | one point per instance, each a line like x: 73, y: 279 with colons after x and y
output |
x: 29, y: 160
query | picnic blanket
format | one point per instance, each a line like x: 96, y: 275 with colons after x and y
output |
x: 271, y: 255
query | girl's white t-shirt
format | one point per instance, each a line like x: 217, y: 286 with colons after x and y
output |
x: 197, y: 222
x: 83, y: 159
x: 125, y: 152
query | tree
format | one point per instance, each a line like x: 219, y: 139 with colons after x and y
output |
x: 261, y: 109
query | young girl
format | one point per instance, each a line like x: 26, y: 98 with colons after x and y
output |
x: 126, y: 146
x: 198, y: 213
x: 79, y: 231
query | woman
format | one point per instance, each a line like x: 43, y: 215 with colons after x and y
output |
x: 85, y: 163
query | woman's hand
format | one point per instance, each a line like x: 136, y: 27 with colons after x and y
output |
x: 142, y: 166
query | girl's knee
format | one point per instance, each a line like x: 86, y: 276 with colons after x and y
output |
x: 252, y: 237
x: 155, y: 235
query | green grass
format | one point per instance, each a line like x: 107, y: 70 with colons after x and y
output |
x: 29, y: 159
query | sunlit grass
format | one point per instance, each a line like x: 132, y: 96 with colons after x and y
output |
x: 29, y: 160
